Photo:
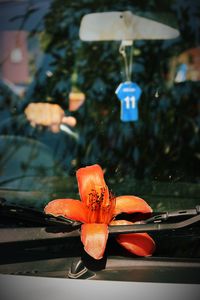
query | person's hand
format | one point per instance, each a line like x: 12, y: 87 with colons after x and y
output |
x: 46, y: 114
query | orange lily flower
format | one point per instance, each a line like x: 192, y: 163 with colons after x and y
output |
x: 97, y: 209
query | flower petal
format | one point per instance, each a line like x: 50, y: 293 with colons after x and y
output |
x: 131, y: 204
x: 94, y: 238
x: 68, y: 208
x: 140, y: 244
x: 88, y: 178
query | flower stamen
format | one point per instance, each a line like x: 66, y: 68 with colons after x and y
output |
x: 101, y: 204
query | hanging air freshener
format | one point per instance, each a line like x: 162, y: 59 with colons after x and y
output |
x: 128, y: 92
x: 129, y: 95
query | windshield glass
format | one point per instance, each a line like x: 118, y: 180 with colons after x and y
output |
x: 62, y: 106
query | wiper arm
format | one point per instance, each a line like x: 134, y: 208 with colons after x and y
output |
x: 34, y: 234
x: 10, y: 235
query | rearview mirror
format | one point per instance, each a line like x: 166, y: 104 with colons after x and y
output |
x: 123, y: 26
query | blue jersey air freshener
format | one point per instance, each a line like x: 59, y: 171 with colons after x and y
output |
x: 129, y: 94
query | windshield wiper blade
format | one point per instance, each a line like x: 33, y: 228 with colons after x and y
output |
x: 174, y: 214
x: 155, y: 227
x: 10, y: 235
x: 40, y: 218
x: 29, y: 216
x: 160, y: 222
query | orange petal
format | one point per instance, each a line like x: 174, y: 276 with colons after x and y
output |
x: 140, y: 244
x: 68, y: 208
x: 88, y: 178
x: 131, y: 204
x: 94, y: 238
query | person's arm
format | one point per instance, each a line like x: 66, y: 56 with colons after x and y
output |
x: 47, y: 114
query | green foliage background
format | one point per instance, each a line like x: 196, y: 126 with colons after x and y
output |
x: 164, y: 143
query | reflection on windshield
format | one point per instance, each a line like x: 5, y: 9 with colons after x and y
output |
x: 58, y: 93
